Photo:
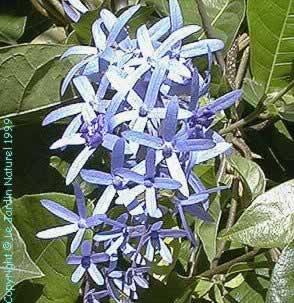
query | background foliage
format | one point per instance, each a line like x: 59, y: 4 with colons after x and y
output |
x: 246, y: 254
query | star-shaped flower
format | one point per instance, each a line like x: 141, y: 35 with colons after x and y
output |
x: 170, y: 145
x: 87, y: 262
x: 78, y: 223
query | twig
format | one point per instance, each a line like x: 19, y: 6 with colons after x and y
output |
x: 258, y: 110
x: 230, y: 221
x: 224, y: 267
x: 209, y: 32
x: 242, y: 68
x: 86, y: 289
x: 221, y: 169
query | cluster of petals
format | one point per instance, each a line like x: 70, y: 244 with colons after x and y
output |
x: 140, y: 99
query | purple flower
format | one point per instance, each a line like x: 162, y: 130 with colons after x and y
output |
x: 77, y: 223
x: 87, y: 262
x: 118, y: 237
x: 170, y: 145
x: 148, y: 184
x: 127, y: 282
x: 114, y: 183
x: 154, y: 241
x: 74, y: 9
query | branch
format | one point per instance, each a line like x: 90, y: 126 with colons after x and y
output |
x: 209, y: 32
x: 230, y: 221
x: 224, y: 267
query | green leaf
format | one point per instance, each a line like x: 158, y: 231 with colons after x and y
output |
x: 281, y: 288
x: 202, y: 288
x: 283, y: 141
x: 271, y: 42
x: 225, y: 16
x: 53, y: 35
x: 24, y: 267
x: 30, y: 77
x: 11, y: 28
x: 251, y: 174
x: 253, y: 289
x: 287, y: 112
x: 49, y: 255
x: 269, y: 221
x: 252, y: 91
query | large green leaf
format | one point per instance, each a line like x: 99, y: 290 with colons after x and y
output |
x: 11, y: 28
x: 268, y: 221
x: 24, y: 267
x: 253, y: 289
x: 281, y: 288
x: 271, y: 41
x: 251, y: 174
x: 225, y: 16
x: 29, y: 218
x: 30, y: 77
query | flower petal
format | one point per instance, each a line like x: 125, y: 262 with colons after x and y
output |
x: 143, y: 139
x: 57, y: 232
x: 194, y: 145
x: 149, y: 255
x: 78, y: 274
x: 98, y: 35
x: 150, y: 164
x: 166, y: 183
x: 165, y: 252
x: 75, y: 139
x: 200, y: 48
x: 79, y: 50
x: 151, y: 204
x: 63, y: 112
x: 171, y: 120
x: 78, y: 163
x: 129, y: 175
x: 177, y: 173
x: 175, y: 15
x: 117, y: 157
x: 96, y: 177
x: 119, y: 25
x: 77, y: 240
x: 80, y: 200
x: 60, y: 211
x: 175, y: 37
x: 105, y: 200
x: 96, y: 275
x: 85, y: 88
x: 144, y: 41
x: 159, y: 29
x: 155, y: 82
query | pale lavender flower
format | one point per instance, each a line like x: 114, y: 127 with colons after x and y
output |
x: 148, y: 184
x: 154, y: 241
x: 170, y: 145
x: 127, y: 282
x: 115, y: 184
x: 78, y: 223
x: 87, y: 262
x: 118, y: 237
x: 74, y: 9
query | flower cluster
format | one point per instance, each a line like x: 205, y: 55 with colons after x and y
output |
x: 140, y: 100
